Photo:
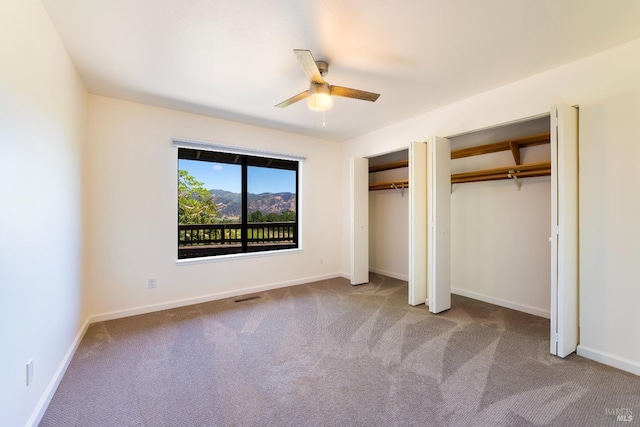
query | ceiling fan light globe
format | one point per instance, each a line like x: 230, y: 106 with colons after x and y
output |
x: 320, y: 97
x: 320, y: 102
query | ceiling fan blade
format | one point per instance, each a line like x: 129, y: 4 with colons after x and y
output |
x: 309, y: 65
x: 298, y: 97
x: 354, y: 93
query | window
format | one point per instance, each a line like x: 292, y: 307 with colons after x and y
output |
x: 232, y: 203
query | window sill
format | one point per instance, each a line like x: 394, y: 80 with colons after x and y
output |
x: 231, y: 257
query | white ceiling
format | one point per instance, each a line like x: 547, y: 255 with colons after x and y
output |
x: 233, y: 59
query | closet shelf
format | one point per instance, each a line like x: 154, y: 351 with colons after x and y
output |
x: 513, y: 145
x: 389, y: 166
x: 519, y: 171
x: 404, y: 183
x: 508, y: 172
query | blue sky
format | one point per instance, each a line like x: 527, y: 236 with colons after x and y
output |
x: 224, y: 176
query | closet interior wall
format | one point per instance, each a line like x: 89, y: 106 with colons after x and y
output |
x: 389, y: 216
x: 500, y: 251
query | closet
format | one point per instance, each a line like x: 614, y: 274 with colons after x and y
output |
x: 500, y: 215
x: 388, y: 214
x: 500, y: 221
x: 500, y: 203
x: 492, y: 215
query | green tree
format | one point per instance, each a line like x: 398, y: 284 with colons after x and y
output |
x: 271, y: 217
x: 195, y: 203
x: 256, y: 216
x: 287, y: 216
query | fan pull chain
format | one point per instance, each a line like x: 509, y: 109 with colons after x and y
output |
x: 324, y: 121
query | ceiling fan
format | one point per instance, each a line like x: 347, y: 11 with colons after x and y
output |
x: 320, y: 92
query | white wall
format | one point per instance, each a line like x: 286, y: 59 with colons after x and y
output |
x: 42, y: 129
x: 610, y: 221
x: 132, y: 211
x: 607, y: 88
x: 500, y: 250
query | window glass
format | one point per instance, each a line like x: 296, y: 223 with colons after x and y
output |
x: 272, y: 206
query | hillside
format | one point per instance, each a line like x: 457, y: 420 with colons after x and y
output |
x: 229, y: 204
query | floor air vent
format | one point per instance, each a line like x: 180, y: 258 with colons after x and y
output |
x: 247, y: 298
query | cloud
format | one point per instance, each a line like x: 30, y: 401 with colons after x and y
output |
x: 216, y: 167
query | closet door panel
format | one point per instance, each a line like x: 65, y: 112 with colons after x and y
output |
x: 564, y: 230
x: 359, y: 220
x: 417, y: 223
x: 439, y: 224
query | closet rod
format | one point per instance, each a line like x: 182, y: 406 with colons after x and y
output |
x: 505, y: 175
x: 390, y: 185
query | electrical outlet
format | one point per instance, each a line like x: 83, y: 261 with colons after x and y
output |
x: 151, y: 283
x: 321, y: 260
x: 29, y: 372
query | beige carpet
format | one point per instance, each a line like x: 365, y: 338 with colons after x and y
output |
x: 330, y: 354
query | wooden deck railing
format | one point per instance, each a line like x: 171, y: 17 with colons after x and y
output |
x: 213, y: 239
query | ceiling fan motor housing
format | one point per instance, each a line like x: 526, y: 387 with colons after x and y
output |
x: 323, y: 67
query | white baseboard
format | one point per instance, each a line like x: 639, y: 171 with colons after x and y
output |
x: 43, y: 404
x: 389, y: 274
x: 205, y: 298
x: 609, y: 359
x: 503, y: 303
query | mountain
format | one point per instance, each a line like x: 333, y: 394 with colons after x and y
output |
x: 229, y: 204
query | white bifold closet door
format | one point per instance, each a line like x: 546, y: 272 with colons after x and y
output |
x: 429, y: 224
x: 418, y: 223
x: 439, y: 223
x: 564, y: 230
x: 359, y: 220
